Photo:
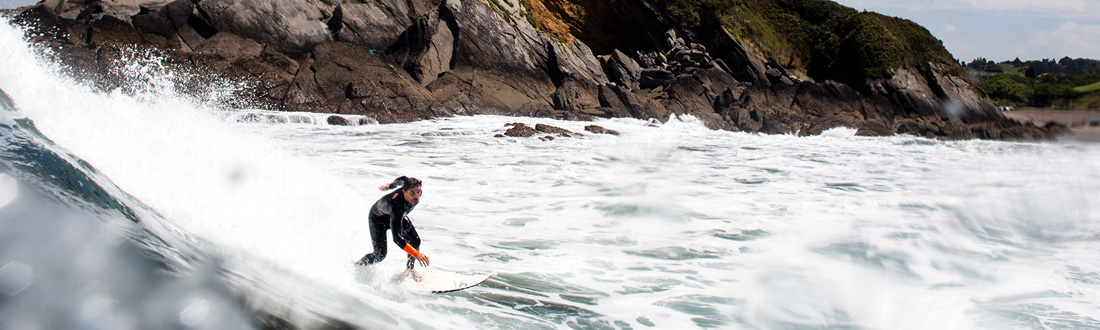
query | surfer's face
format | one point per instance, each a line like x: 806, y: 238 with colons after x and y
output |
x: 413, y: 195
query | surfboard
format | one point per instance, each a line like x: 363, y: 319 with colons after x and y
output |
x: 441, y: 281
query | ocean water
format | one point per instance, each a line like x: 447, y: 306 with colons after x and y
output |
x: 146, y: 208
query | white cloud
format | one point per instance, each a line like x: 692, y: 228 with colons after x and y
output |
x: 1070, y: 39
x: 1068, y: 9
x: 949, y: 28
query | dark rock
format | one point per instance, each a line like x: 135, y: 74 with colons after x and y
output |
x: 338, y: 121
x: 571, y: 96
x: 369, y: 24
x: 600, y: 130
x: 551, y: 129
x: 620, y: 99
x: 622, y: 69
x: 291, y: 26
x: 426, y: 48
x: 747, y: 66
x: 652, y: 78
x: 776, y: 76
x: 521, y: 130
x: 230, y: 47
x: 574, y: 61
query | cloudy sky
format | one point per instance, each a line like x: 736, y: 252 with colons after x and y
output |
x: 1002, y: 30
x: 998, y: 30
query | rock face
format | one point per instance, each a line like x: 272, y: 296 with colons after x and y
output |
x: 404, y: 60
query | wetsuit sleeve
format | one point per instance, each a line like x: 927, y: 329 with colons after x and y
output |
x: 398, y: 182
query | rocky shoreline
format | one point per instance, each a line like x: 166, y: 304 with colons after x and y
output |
x: 407, y: 60
x: 1084, y: 125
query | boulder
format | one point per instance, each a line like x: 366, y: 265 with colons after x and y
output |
x: 520, y: 130
x: 291, y: 26
x: 574, y: 61
x: 338, y: 121
x: 745, y: 64
x: 369, y: 24
x: 552, y: 129
x: 425, y: 49
x: 573, y: 96
x: 653, y: 78
x: 596, y: 129
x: 622, y: 69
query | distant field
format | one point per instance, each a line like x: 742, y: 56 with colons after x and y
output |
x: 1088, y: 88
x: 1089, y: 101
x: 1009, y: 68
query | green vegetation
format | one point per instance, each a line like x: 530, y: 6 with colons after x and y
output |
x: 1059, y: 91
x: 1087, y: 88
x: 822, y: 38
x: 413, y: 16
x: 1066, y: 65
x: 1071, y: 84
x: 1010, y: 89
x: 502, y: 11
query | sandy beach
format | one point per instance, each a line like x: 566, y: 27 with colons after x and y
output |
x: 1077, y: 121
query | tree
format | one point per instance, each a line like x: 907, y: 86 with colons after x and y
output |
x: 1009, y: 89
x: 1029, y: 72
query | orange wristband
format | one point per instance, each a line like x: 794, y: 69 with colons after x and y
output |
x: 411, y: 250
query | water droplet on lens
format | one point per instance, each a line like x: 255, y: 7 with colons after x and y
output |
x: 15, y: 277
x: 196, y: 311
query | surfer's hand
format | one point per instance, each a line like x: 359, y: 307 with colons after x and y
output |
x: 423, y: 259
x: 384, y: 187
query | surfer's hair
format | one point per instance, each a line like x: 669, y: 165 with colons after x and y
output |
x: 412, y: 183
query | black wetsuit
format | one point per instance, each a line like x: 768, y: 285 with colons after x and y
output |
x: 389, y: 213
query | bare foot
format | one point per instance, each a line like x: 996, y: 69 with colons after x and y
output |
x: 416, y: 276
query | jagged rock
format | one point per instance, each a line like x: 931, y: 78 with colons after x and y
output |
x: 652, y: 60
x: 291, y: 26
x: 230, y: 47
x: 699, y: 94
x: 552, y: 129
x: 571, y: 96
x: 520, y: 130
x: 574, y: 61
x: 776, y: 76
x: 426, y: 48
x: 653, y: 78
x: 745, y: 64
x: 958, y: 94
x: 673, y: 40
x: 121, y: 10
x: 622, y: 69
x: 114, y: 32
x: 596, y: 129
x: 369, y: 24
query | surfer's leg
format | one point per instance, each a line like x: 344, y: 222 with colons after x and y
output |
x: 413, y: 239
x: 378, y: 238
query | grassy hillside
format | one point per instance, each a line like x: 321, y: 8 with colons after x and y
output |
x: 818, y: 38
x: 1088, y: 97
x: 823, y: 38
x: 1087, y: 88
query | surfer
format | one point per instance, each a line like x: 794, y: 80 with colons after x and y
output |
x: 389, y: 212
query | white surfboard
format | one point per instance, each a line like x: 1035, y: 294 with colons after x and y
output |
x: 440, y: 281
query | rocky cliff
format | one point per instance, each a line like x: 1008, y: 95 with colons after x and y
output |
x: 403, y: 60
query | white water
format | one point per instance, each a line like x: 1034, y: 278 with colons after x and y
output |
x: 669, y: 227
